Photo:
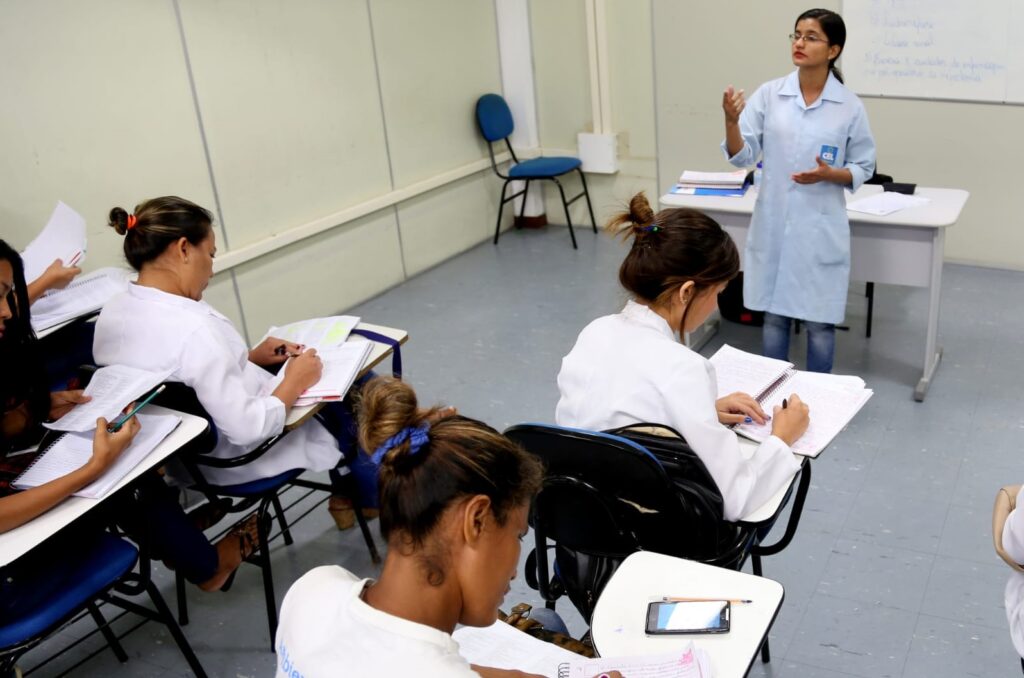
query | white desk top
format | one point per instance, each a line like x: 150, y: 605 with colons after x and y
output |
x: 618, y: 626
x: 298, y: 415
x: 942, y: 210
x: 19, y: 541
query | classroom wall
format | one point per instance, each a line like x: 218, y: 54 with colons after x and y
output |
x: 562, y: 80
x: 308, y: 109
x: 700, y: 48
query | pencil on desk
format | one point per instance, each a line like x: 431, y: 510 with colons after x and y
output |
x: 684, y: 599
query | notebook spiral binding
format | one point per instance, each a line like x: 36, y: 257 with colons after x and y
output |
x: 41, y: 453
x: 773, y: 387
x: 563, y: 670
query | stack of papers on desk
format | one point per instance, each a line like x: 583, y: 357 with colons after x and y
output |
x: 86, y: 294
x: 885, y: 203
x: 73, y: 450
x: 318, y: 333
x: 711, y: 183
x: 341, y: 367
x: 833, y: 399
x: 501, y: 646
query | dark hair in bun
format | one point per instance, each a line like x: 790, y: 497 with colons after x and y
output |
x: 461, y: 458
x: 157, y: 223
x: 671, y: 248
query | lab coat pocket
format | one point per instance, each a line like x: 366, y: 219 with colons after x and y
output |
x: 830, y: 240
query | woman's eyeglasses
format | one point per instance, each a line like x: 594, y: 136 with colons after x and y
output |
x: 808, y: 39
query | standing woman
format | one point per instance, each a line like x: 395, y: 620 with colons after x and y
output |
x: 813, y: 136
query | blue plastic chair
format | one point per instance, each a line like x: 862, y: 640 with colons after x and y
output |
x: 75, y: 584
x: 495, y: 121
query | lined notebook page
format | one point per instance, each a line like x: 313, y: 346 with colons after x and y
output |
x: 73, y: 450
x: 833, y: 401
x: 84, y: 295
x: 690, y: 663
x: 500, y: 646
x: 739, y: 371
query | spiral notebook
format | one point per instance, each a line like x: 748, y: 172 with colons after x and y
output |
x: 86, y: 294
x: 834, y: 400
x: 501, y: 646
x: 71, y: 451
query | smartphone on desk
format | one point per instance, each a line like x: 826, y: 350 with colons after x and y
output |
x: 705, y: 616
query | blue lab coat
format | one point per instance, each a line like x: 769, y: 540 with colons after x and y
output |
x: 797, y: 257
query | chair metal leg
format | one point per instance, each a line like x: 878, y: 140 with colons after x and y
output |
x: 501, y: 208
x: 350, y: 490
x: 870, y: 294
x: 522, y: 208
x: 282, y: 522
x: 263, y: 530
x: 568, y: 219
x: 586, y: 193
x: 182, y: 594
x: 167, y: 619
x: 108, y: 634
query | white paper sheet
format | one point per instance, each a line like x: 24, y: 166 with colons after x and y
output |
x: 500, y: 646
x: 691, y: 662
x: 885, y: 203
x: 318, y: 333
x: 111, y: 388
x: 86, y: 294
x: 62, y: 238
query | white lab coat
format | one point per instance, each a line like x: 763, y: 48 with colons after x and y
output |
x: 1013, y: 544
x: 797, y: 258
x: 628, y: 368
x: 327, y: 630
x: 154, y: 330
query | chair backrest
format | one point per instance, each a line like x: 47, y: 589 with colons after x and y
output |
x: 494, y: 117
x: 605, y: 497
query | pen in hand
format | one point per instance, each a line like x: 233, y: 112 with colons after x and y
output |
x: 283, y: 350
x: 116, y: 425
x: 785, y: 404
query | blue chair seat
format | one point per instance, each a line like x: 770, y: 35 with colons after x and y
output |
x: 71, y: 583
x: 257, y: 487
x: 544, y: 168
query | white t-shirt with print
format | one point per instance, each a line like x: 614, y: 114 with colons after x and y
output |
x: 327, y: 630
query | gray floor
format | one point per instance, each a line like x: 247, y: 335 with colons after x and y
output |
x: 892, y: 571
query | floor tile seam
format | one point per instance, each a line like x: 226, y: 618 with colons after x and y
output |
x: 962, y: 622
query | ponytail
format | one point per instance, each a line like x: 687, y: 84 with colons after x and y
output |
x: 671, y: 248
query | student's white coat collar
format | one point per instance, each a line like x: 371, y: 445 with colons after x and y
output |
x: 643, y: 315
x: 834, y: 90
x: 396, y: 625
x: 152, y: 294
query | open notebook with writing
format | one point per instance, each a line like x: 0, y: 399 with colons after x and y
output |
x: 833, y: 399
x: 501, y: 646
x: 71, y: 451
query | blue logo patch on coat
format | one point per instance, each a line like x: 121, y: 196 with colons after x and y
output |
x: 828, y: 154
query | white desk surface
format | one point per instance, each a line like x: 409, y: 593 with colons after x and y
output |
x: 942, y: 210
x: 618, y: 626
x: 19, y: 541
x: 298, y: 415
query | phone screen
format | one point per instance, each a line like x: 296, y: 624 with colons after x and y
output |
x: 688, y: 617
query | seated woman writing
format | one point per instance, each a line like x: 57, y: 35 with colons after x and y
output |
x: 454, y: 500
x: 153, y: 510
x: 162, y: 324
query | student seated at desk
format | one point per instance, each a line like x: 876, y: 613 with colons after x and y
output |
x: 454, y: 499
x: 628, y: 368
x: 25, y: 403
x: 162, y: 324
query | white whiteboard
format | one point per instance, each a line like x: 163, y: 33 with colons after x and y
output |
x: 936, y: 49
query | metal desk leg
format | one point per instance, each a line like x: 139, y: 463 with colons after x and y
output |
x: 933, y: 352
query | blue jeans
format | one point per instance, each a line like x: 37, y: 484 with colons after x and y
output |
x: 821, y: 341
x: 549, y: 620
